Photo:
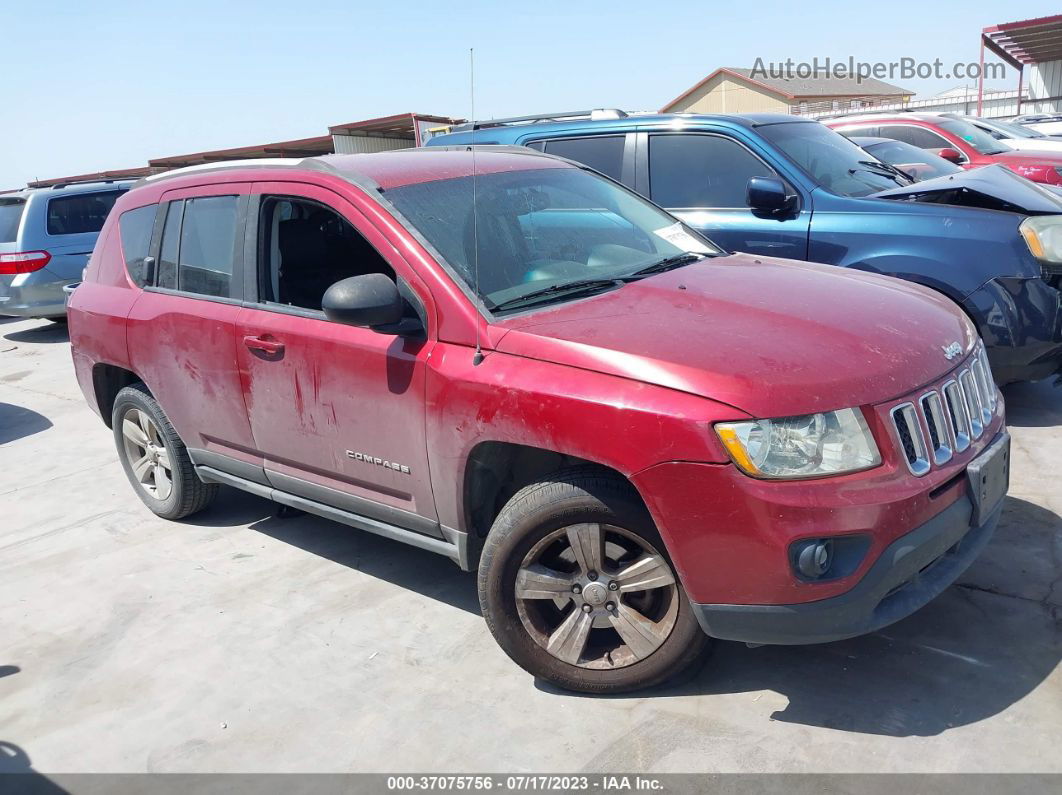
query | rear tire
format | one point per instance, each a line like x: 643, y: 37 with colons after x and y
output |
x: 577, y: 587
x: 154, y: 458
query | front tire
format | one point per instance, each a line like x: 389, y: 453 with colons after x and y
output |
x: 577, y: 588
x: 154, y: 458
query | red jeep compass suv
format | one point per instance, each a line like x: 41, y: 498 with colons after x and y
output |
x: 513, y: 361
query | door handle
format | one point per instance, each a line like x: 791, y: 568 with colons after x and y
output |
x: 264, y: 345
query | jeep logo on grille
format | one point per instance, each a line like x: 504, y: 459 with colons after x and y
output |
x: 951, y: 351
x: 380, y: 462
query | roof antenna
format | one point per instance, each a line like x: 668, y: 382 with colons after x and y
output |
x: 477, y: 358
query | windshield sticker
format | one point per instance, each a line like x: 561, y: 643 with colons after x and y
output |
x: 677, y: 236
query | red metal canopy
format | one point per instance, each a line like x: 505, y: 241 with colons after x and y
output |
x: 1026, y: 42
x: 1030, y: 41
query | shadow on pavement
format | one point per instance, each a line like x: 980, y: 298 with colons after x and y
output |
x: 45, y: 332
x: 408, y: 567
x: 983, y: 645
x: 1034, y: 405
x: 19, y: 421
x: 18, y: 777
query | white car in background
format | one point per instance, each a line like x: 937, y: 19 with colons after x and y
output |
x: 1017, y: 136
x: 1046, y: 123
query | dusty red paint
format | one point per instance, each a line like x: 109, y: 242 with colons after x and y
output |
x: 631, y: 379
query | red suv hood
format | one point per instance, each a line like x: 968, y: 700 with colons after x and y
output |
x: 771, y: 337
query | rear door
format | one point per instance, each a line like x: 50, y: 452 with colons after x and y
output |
x: 182, y: 328
x: 702, y: 178
x: 336, y: 411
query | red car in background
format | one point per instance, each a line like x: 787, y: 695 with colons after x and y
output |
x: 953, y: 139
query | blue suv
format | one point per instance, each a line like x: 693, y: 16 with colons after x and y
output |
x: 782, y: 186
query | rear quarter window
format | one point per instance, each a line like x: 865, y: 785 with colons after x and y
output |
x: 10, y: 216
x: 135, y: 227
x: 80, y: 214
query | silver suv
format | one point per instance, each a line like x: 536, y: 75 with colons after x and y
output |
x: 46, y: 237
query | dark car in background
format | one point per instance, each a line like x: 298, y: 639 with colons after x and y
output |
x: 918, y: 164
x: 783, y: 186
x: 46, y: 236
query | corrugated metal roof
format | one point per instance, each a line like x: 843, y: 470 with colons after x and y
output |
x: 300, y: 147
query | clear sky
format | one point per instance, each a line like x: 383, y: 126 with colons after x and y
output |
x: 86, y: 86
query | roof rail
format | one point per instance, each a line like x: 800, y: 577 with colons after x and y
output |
x: 596, y: 113
x: 106, y: 180
x: 868, y: 112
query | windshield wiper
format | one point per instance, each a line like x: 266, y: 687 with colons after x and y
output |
x: 557, y: 291
x: 883, y: 168
x: 665, y: 264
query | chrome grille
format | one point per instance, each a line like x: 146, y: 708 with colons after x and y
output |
x: 944, y: 422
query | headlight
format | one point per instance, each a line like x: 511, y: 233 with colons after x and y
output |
x: 1043, y: 236
x: 801, y: 447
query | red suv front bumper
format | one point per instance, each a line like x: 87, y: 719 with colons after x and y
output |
x: 730, y: 537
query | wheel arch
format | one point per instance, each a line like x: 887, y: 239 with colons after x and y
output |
x: 495, y: 471
x: 107, y: 381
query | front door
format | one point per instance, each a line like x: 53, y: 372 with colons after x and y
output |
x: 703, y: 177
x: 336, y: 411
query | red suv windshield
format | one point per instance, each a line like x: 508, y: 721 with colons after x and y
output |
x: 540, y: 228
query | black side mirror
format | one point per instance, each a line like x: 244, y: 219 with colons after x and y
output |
x: 768, y: 194
x: 371, y: 300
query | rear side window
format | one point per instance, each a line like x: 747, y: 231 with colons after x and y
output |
x: 171, y: 238
x: 701, y: 171
x: 198, y: 246
x: 603, y: 153
x: 10, y: 215
x: 80, y: 214
x: 135, y: 227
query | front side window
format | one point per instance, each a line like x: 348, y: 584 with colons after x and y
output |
x: 80, y: 214
x: 978, y: 139
x: 135, y: 227
x: 543, y: 231
x: 602, y: 153
x: 687, y: 171
x: 831, y: 159
x: 305, y: 248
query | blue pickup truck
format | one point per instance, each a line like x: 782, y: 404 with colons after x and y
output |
x: 782, y: 186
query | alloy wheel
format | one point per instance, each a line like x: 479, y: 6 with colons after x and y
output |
x: 597, y: 596
x: 148, y: 457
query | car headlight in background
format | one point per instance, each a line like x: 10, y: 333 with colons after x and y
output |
x: 1043, y: 236
x: 809, y: 446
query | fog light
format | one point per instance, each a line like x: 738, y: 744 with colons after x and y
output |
x: 823, y: 559
x: 814, y: 559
